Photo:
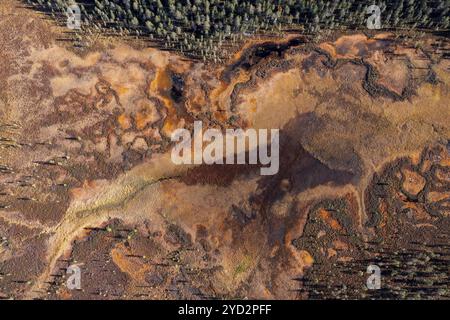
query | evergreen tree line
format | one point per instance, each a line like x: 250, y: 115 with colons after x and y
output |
x: 199, y: 28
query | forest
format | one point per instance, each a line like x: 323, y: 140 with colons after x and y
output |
x: 199, y: 28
